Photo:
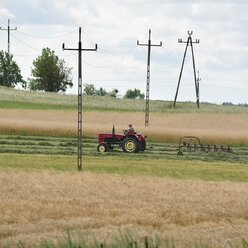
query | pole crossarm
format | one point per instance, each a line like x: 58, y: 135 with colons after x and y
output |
x: 76, y: 49
x: 190, y: 43
x: 80, y: 96
x: 8, y: 29
x: 149, y: 45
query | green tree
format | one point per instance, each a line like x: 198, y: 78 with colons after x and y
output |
x: 10, y: 73
x: 50, y: 73
x: 113, y: 93
x: 134, y: 94
x: 101, y: 92
x: 89, y: 89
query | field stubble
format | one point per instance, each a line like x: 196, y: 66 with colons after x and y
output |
x: 167, y: 127
x: 36, y: 206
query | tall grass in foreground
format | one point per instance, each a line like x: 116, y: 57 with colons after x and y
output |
x: 128, y: 241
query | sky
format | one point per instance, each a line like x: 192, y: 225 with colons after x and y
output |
x: 221, y: 56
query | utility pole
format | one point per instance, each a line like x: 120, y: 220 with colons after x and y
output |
x: 8, y: 29
x: 149, y: 45
x: 80, y: 98
x: 198, y: 86
x: 189, y: 42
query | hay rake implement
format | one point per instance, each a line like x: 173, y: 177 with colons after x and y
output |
x: 193, y: 143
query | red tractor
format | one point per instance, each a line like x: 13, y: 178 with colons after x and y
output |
x: 129, y: 141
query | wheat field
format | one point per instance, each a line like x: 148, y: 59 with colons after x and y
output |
x: 226, y: 128
x: 43, y: 205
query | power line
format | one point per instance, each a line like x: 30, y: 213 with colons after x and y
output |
x: 225, y: 87
x: 113, y: 65
x: 8, y: 29
x: 35, y: 49
x: 108, y: 55
x: 47, y: 37
x: 3, y: 24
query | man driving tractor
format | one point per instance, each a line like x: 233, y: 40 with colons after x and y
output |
x: 130, y: 128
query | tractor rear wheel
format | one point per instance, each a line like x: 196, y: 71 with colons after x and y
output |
x: 102, y: 148
x: 130, y: 145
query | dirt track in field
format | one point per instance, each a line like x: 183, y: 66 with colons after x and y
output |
x: 210, y: 127
x: 36, y: 206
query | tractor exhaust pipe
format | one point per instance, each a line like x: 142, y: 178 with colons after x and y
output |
x: 113, y: 131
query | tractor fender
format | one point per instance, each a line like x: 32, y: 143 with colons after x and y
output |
x: 134, y: 136
x: 104, y: 143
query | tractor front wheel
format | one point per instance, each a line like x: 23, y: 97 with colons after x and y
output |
x: 130, y: 145
x: 102, y: 148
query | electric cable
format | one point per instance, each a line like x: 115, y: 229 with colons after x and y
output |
x: 48, y: 37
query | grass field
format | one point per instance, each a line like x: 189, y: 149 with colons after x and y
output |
x: 41, y: 145
x: 11, y: 98
x: 195, y: 200
x: 182, y: 169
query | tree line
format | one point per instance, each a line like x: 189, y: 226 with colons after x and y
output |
x: 51, y: 74
x: 91, y: 90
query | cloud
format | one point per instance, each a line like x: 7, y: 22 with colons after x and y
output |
x: 5, y: 13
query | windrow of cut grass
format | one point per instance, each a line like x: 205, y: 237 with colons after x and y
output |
x: 161, y: 159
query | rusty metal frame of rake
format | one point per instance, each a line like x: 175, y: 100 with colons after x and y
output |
x: 193, y: 143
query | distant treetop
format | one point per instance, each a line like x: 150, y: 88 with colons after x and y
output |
x: 10, y: 73
x: 49, y: 73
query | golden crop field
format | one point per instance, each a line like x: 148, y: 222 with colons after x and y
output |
x: 227, y: 128
x: 43, y: 205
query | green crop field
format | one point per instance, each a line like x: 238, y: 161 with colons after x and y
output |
x: 195, y: 200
